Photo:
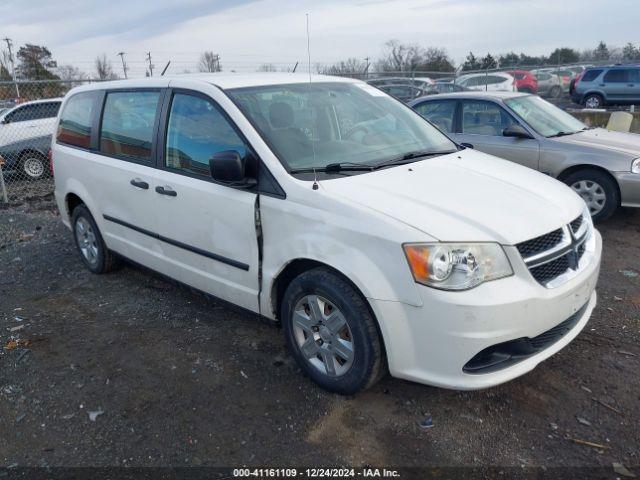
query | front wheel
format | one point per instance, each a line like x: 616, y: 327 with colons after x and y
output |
x: 331, y: 332
x: 598, y: 190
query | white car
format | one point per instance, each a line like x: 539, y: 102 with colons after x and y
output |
x: 491, y: 82
x: 29, y: 120
x: 331, y: 207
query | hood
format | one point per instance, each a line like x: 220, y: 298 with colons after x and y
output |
x: 627, y: 143
x: 466, y: 196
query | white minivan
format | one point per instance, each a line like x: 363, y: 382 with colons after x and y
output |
x: 376, y: 241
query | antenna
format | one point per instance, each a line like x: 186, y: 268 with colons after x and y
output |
x: 308, y: 48
x: 165, y: 68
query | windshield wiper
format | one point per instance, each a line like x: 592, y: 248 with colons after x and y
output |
x: 562, y: 134
x: 364, y: 167
x: 410, y: 157
x: 336, y: 167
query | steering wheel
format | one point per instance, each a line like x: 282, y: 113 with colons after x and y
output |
x: 354, y: 130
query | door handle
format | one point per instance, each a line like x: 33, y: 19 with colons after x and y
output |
x: 136, y: 182
x: 166, y: 191
x: 631, y: 84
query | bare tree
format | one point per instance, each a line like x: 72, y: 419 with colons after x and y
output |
x: 267, y: 67
x: 71, y: 74
x: 104, y: 68
x: 401, y: 57
x: 350, y: 66
x: 209, y: 62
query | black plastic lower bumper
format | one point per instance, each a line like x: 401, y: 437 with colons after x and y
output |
x: 503, y: 355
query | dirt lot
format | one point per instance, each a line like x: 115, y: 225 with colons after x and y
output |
x: 181, y: 380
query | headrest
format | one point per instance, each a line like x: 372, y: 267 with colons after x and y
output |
x: 281, y: 115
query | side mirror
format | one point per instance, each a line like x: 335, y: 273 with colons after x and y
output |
x: 466, y: 145
x: 229, y: 167
x: 516, y: 131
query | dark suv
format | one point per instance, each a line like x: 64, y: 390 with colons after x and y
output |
x: 608, y: 85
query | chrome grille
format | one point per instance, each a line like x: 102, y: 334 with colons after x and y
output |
x: 552, y: 255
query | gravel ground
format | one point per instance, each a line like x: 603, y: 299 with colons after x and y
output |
x: 130, y: 369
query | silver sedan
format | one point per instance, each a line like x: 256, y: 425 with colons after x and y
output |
x: 601, y: 166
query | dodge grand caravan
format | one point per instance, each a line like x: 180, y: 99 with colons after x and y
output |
x: 376, y: 241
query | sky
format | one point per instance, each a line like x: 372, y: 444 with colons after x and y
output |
x: 247, y: 33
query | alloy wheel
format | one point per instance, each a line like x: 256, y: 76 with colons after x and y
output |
x: 592, y: 102
x: 592, y: 193
x: 323, y: 335
x: 87, y: 241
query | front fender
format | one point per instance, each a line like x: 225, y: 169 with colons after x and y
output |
x: 367, y: 252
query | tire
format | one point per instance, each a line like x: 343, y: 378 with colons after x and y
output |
x: 555, y: 92
x: 33, y: 165
x: 89, y: 242
x: 593, y: 100
x: 592, y: 184
x: 341, y: 318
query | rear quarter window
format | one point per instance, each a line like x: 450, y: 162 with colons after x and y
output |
x: 591, y: 75
x: 74, y: 127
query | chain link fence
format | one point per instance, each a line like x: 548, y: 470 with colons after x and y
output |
x: 28, y: 113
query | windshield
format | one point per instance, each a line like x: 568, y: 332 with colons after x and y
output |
x: 545, y: 118
x: 312, y: 125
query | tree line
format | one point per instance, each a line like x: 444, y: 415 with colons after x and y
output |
x: 35, y: 62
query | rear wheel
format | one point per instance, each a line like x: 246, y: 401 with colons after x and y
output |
x: 555, y: 92
x: 598, y: 190
x: 33, y: 165
x: 593, y: 100
x: 89, y: 241
x: 331, y: 332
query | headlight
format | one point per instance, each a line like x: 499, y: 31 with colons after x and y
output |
x: 635, y: 166
x: 456, y: 266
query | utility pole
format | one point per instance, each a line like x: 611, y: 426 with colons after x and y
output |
x: 13, y: 66
x: 366, y: 69
x: 150, y: 64
x: 124, y: 65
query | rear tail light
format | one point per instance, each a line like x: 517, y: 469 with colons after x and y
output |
x: 50, y: 157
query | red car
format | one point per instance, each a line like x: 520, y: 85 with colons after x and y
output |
x: 525, y: 81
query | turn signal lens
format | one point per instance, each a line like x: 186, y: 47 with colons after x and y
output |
x: 456, y: 266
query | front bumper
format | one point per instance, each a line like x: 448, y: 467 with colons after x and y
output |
x: 629, y: 188
x: 432, y: 344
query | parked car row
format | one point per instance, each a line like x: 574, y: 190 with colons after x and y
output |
x: 544, y: 83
